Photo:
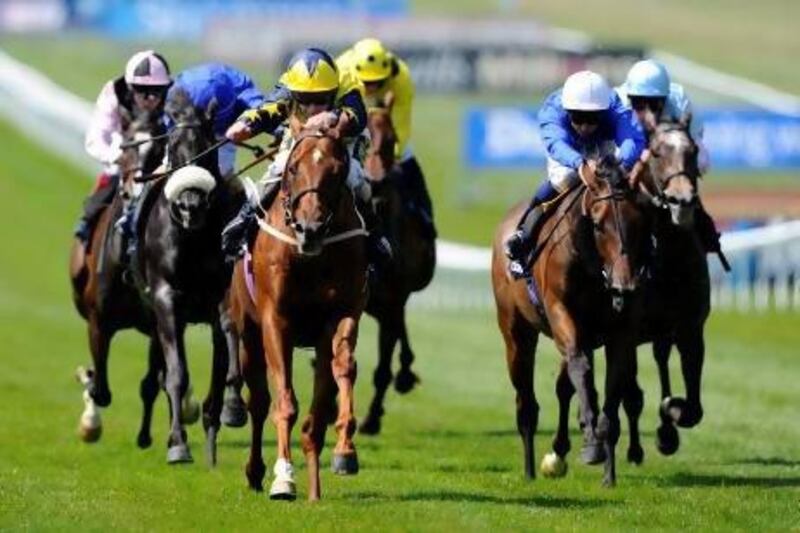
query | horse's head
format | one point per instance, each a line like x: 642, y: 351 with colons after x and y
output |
x: 313, y: 186
x: 189, y: 189
x: 618, y: 228
x: 673, y: 169
x: 143, y: 149
x: 380, y: 157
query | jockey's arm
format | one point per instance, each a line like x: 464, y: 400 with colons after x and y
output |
x: 103, y: 137
x: 264, y: 119
x: 628, y: 134
x: 556, y: 139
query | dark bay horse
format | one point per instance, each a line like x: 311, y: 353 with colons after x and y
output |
x: 678, y: 293
x: 585, y: 283
x: 100, y: 292
x: 181, y: 271
x: 411, y: 270
x: 304, y: 285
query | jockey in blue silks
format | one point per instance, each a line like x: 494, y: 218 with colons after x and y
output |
x: 579, y: 123
x: 235, y: 93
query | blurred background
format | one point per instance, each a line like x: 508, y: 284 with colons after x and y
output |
x: 481, y: 69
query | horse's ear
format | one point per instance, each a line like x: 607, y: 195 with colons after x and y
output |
x: 211, y: 109
x: 388, y: 100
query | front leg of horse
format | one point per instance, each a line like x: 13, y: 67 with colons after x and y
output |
x: 254, y: 372
x: 667, y: 438
x: 633, y: 403
x: 620, y: 379
x: 691, y: 346
x: 343, y: 366
x: 170, y: 334
x: 554, y: 464
x: 276, y: 338
x: 99, y: 343
x: 148, y: 391
x: 387, y: 339
x: 234, y: 411
x: 212, y: 406
x: 580, y: 374
x: 406, y: 379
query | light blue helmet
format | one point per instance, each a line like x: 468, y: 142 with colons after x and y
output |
x: 647, y: 78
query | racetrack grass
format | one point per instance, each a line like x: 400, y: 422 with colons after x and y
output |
x: 449, y: 458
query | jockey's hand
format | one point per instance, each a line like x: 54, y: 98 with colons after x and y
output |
x: 322, y: 121
x: 239, y: 131
x: 339, y: 129
x: 638, y: 169
x: 115, y: 148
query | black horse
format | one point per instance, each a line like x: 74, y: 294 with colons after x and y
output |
x: 181, y: 271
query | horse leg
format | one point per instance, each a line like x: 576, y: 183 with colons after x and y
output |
x: 554, y: 464
x: 620, y: 377
x: 321, y: 413
x: 254, y: 372
x: 234, y: 412
x: 148, y: 391
x: 667, y: 438
x: 277, y: 341
x: 387, y: 338
x: 99, y: 343
x: 633, y: 403
x: 406, y: 379
x: 343, y: 367
x: 212, y: 406
x: 521, y: 342
x: 170, y: 334
x: 691, y: 345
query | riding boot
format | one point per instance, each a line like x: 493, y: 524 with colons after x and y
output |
x: 379, y: 250
x: 415, y: 183
x: 237, y: 233
x: 99, y: 199
x: 518, y: 245
x: 706, y: 230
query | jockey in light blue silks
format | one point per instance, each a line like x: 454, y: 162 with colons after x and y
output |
x: 234, y: 91
x: 648, y: 89
x: 579, y: 123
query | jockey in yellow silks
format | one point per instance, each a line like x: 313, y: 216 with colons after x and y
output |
x: 313, y: 90
x: 382, y: 72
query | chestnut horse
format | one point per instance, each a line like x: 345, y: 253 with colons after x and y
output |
x: 411, y: 269
x: 585, y: 284
x: 107, y: 301
x: 304, y: 285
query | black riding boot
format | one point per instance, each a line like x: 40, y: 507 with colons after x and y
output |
x: 379, y: 250
x: 236, y: 234
x: 418, y: 193
x: 706, y: 230
x: 93, y: 205
x: 518, y: 245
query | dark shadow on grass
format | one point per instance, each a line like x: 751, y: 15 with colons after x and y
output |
x: 764, y: 461
x: 472, y: 497
x: 685, y: 479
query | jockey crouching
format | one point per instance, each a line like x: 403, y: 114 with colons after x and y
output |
x: 142, y: 87
x: 651, y: 95
x: 231, y: 91
x: 580, y: 123
x: 314, y: 91
x: 382, y: 72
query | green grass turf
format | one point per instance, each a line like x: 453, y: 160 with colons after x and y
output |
x: 449, y: 458
x: 468, y: 203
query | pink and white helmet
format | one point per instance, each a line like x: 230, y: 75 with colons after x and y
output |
x: 147, y: 68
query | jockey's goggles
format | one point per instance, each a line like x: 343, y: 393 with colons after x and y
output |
x: 149, y: 91
x: 590, y: 118
x: 374, y: 85
x: 320, y: 98
x: 653, y: 103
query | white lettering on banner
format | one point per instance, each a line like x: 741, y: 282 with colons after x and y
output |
x: 511, y: 133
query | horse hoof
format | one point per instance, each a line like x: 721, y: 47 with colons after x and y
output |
x: 635, y: 455
x: 190, y: 412
x: 609, y: 482
x: 179, y: 454
x: 345, y: 464
x: 593, y: 454
x: 667, y: 439
x: 89, y: 433
x: 673, y: 408
x: 405, y: 381
x: 144, y: 441
x: 234, y: 413
x: 370, y: 426
x: 553, y: 466
x: 283, y: 489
